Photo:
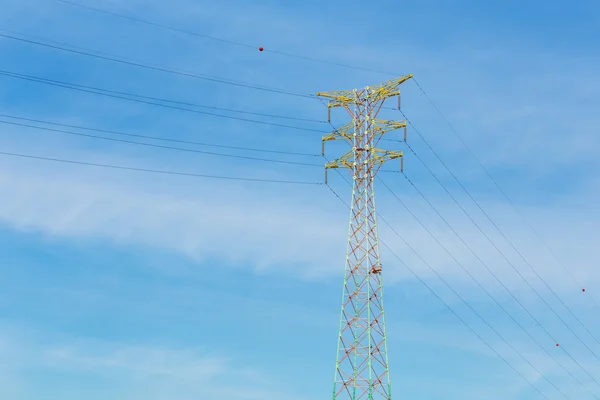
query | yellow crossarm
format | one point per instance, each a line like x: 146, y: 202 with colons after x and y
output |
x: 379, y: 157
x: 382, y: 90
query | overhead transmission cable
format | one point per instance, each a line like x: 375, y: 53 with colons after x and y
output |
x: 161, y: 99
x: 132, y: 142
x: 126, y: 96
x: 496, y: 247
x: 480, y: 285
x: 59, y: 160
x: 505, y: 195
x: 210, y: 37
x: 486, y: 292
x: 101, y: 92
x: 119, y: 60
x: 158, y: 138
x: 450, y: 308
x: 110, y: 57
x: 158, y: 145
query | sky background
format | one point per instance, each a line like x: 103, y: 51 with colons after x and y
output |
x: 127, y: 285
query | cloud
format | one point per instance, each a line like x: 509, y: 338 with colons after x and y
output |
x: 124, y: 371
x: 148, y: 362
x: 549, y: 364
x: 222, y: 221
x: 270, y: 228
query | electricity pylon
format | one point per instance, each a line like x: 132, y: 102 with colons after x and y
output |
x: 362, y: 370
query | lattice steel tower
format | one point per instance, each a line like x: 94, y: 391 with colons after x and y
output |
x: 362, y: 370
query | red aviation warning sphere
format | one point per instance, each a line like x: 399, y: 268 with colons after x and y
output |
x: 260, y: 48
x: 583, y: 289
x: 556, y: 344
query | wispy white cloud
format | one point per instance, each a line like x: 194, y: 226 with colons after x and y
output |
x: 244, y: 224
x: 548, y: 366
x: 131, y: 370
x: 126, y: 370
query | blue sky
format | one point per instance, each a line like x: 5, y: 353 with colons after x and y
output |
x: 129, y: 285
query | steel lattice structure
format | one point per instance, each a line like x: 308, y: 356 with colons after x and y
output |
x: 362, y: 370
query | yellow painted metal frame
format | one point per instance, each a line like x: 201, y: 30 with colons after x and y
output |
x: 380, y: 126
x: 382, y: 90
x: 347, y: 160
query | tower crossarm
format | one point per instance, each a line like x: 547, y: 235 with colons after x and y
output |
x: 338, y: 98
x: 381, y: 91
x: 389, y: 88
x: 377, y: 157
x: 378, y: 128
x: 382, y: 126
x: 343, y: 132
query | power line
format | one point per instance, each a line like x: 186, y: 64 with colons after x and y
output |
x: 485, y: 290
x: 497, y: 280
x: 155, y: 145
x: 447, y: 305
x: 188, y: 32
x: 111, y: 57
x: 155, y: 68
x: 478, y: 315
x: 100, y: 92
x: 158, y: 145
x: 489, y: 295
x: 9, y: 73
x: 156, y: 171
x: 495, y: 182
x: 159, y: 138
x: 496, y: 247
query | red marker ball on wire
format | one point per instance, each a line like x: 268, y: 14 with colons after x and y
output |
x: 583, y: 289
x: 556, y: 344
x: 260, y: 48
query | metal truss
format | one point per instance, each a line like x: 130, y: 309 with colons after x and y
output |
x: 362, y: 369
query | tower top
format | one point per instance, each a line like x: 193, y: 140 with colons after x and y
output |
x: 381, y: 91
x: 365, y: 130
